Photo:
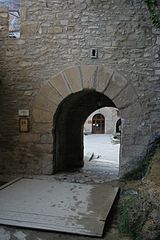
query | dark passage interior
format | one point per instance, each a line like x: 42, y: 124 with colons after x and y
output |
x: 68, y: 127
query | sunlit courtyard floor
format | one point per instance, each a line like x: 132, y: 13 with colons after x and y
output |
x: 101, y: 155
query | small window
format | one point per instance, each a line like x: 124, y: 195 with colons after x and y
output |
x: 14, y: 23
x: 14, y: 16
x: 94, y: 53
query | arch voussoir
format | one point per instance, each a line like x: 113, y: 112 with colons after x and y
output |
x: 44, y: 104
x: 60, y: 84
x: 104, y: 75
x: 42, y: 116
x: 78, y: 78
x: 88, y: 73
x: 116, y: 84
x: 50, y: 93
x: 73, y: 78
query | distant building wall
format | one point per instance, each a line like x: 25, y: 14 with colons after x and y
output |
x: 110, y: 115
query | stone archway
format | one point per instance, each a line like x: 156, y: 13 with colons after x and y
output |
x: 68, y: 131
x: 100, y: 79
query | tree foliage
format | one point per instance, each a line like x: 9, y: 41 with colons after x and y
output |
x: 154, y: 9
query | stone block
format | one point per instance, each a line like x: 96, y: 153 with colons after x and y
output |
x: 28, y: 93
x: 3, y: 9
x: 3, y: 14
x: 130, y: 130
x: 42, y: 116
x: 157, y: 72
x: 4, y: 26
x: 84, y: 19
x: 74, y: 79
x: 139, y: 138
x: 59, y: 83
x: 24, y: 86
x: 127, y: 97
x: 116, y: 84
x: 29, y: 137
x: 29, y: 28
x: 47, y: 164
x: 45, y: 104
x: 88, y: 75
x: 128, y: 140
x: 44, y: 148
x: 64, y: 22
x: 133, y: 150
x: 25, y: 64
x: 34, y: 165
x: 126, y: 166
x: 103, y: 76
x: 42, y: 127
x: 20, y: 41
x: 23, y: 13
x: 46, y: 138
x: 56, y: 29
x: 70, y: 28
x: 9, y: 53
x: 133, y: 111
x: 50, y: 93
x: 158, y: 40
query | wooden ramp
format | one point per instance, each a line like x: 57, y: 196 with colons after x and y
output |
x: 57, y: 206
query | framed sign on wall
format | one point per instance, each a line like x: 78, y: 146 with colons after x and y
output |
x: 24, y: 124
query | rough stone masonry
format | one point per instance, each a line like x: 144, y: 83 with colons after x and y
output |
x: 57, y: 35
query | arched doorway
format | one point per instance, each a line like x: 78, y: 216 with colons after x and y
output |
x: 98, y: 124
x: 71, y: 82
x: 68, y: 127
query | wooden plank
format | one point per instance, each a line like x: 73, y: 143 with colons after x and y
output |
x: 10, y: 183
x: 52, y: 223
x: 57, y: 206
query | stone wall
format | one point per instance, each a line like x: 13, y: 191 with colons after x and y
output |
x: 58, y: 34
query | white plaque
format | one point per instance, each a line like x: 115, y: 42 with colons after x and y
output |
x: 23, y: 112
